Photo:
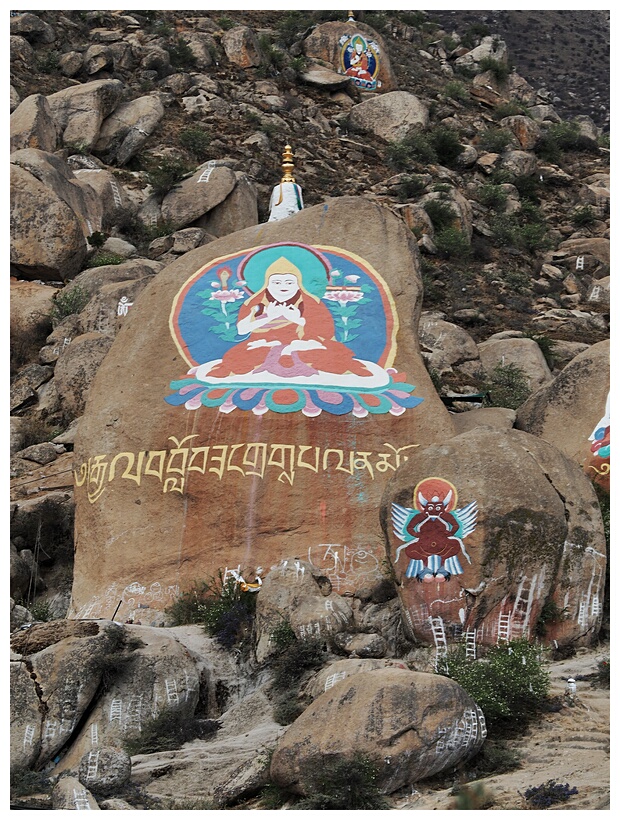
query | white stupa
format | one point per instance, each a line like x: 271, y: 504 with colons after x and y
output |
x: 286, y: 198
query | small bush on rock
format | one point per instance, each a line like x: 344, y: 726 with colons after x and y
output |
x: 168, y: 731
x: 548, y: 794
x: 226, y: 612
x: 440, y: 213
x: 69, y: 300
x: 498, y: 69
x: 452, y: 243
x: 509, y: 684
x: 343, y: 784
x: 603, y: 676
x: 196, y: 140
x: 507, y: 387
x: 25, y: 781
x: 163, y: 174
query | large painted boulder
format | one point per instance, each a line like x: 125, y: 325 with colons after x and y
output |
x: 354, y: 50
x: 252, y: 407
x: 495, y: 535
x: 572, y: 412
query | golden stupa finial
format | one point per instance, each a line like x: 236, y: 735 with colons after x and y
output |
x: 351, y: 17
x: 287, y: 165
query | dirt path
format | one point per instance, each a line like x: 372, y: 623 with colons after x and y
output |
x: 570, y: 746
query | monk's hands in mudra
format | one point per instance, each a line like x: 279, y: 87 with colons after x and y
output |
x: 272, y: 311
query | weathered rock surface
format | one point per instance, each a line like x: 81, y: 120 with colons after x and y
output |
x: 197, y: 195
x: 522, y: 353
x: 339, y: 670
x: 404, y: 720
x: 31, y: 304
x: 47, y: 238
x: 448, y: 348
x: 239, y: 210
x: 297, y: 591
x: 126, y: 130
x: 61, y: 666
x: 158, y: 673
x: 69, y: 793
x: 105, y: 770
x: 32, y: 125
x: 324, y: 493
x: 499, y: 418
x: 241, y: 47
x: 76, y: 369
x: 566, y: 412
x: 392, y: 117
x: 79, y: 110
x: 534, y: 516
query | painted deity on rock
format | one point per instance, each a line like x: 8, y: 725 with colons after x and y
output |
x: 287, y: 328
x: 433, y: 531
x: 359, y: 60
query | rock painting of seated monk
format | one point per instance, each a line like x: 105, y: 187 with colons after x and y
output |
x: 433, y: 531
x: 359, y: 60
x: 287, y: 328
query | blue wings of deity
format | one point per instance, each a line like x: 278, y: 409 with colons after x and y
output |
x: 465, y: 516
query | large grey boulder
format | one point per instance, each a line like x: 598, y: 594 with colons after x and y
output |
x: 239, y: 210
x: 392, y: 116
x: 241, y: 47
x: 60, y: 664
x: 412, y: 724
x: 196, y: 196
x: 80, y: 109
x: 298, y: 592
x: 76, y: 368
x: 522, y: 353
x: 447, y: 348
x: 32, y: 125
x: 126, y: 130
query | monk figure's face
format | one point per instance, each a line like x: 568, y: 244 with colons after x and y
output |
x: 282, y: 286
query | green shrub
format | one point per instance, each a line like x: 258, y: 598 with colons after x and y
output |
x: 560, y: 137
x: 196, y: 140
x: 472, y: 796
x: 340, y: 783
x: 492, y: 196
x: 409, y: 188
x: 474, y: 34
x: 25, y: 781
x: 69, y: 300
x: 496, y: 140
x: 415, y: 19
x: 445, y: 142
x: 512, y: 108
x: 292, y: 25
x: 456, y: 90
x: 181, y: 55
x: 97, y: 239
x: 512, y: 230
x: 452, y: 243
x: 583, y: 217
x: 273, y: 56
x: 603, y: 676
x: 398, y: 156
x: 163, y: 174
x: 225, y: 23
x: 508, y: 386
x: 440, y: 213
x: 41, y: 611
x: 297, y: 657
x: 273, y: 797
x: 288, y: 707
x: 282, y: 635
x: 495, y: 757
x: 102, y: 258
x: 550, y: 613
x: 509, y: 684
x: 299, y: 64
x: 223, y: 608
x: 546, y: 346
x: 168, y: 731
x: 499, y: 70
x: 419, y: 147
x: 48, y: 62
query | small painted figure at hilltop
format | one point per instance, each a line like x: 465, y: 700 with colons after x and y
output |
x: 433, y: 531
